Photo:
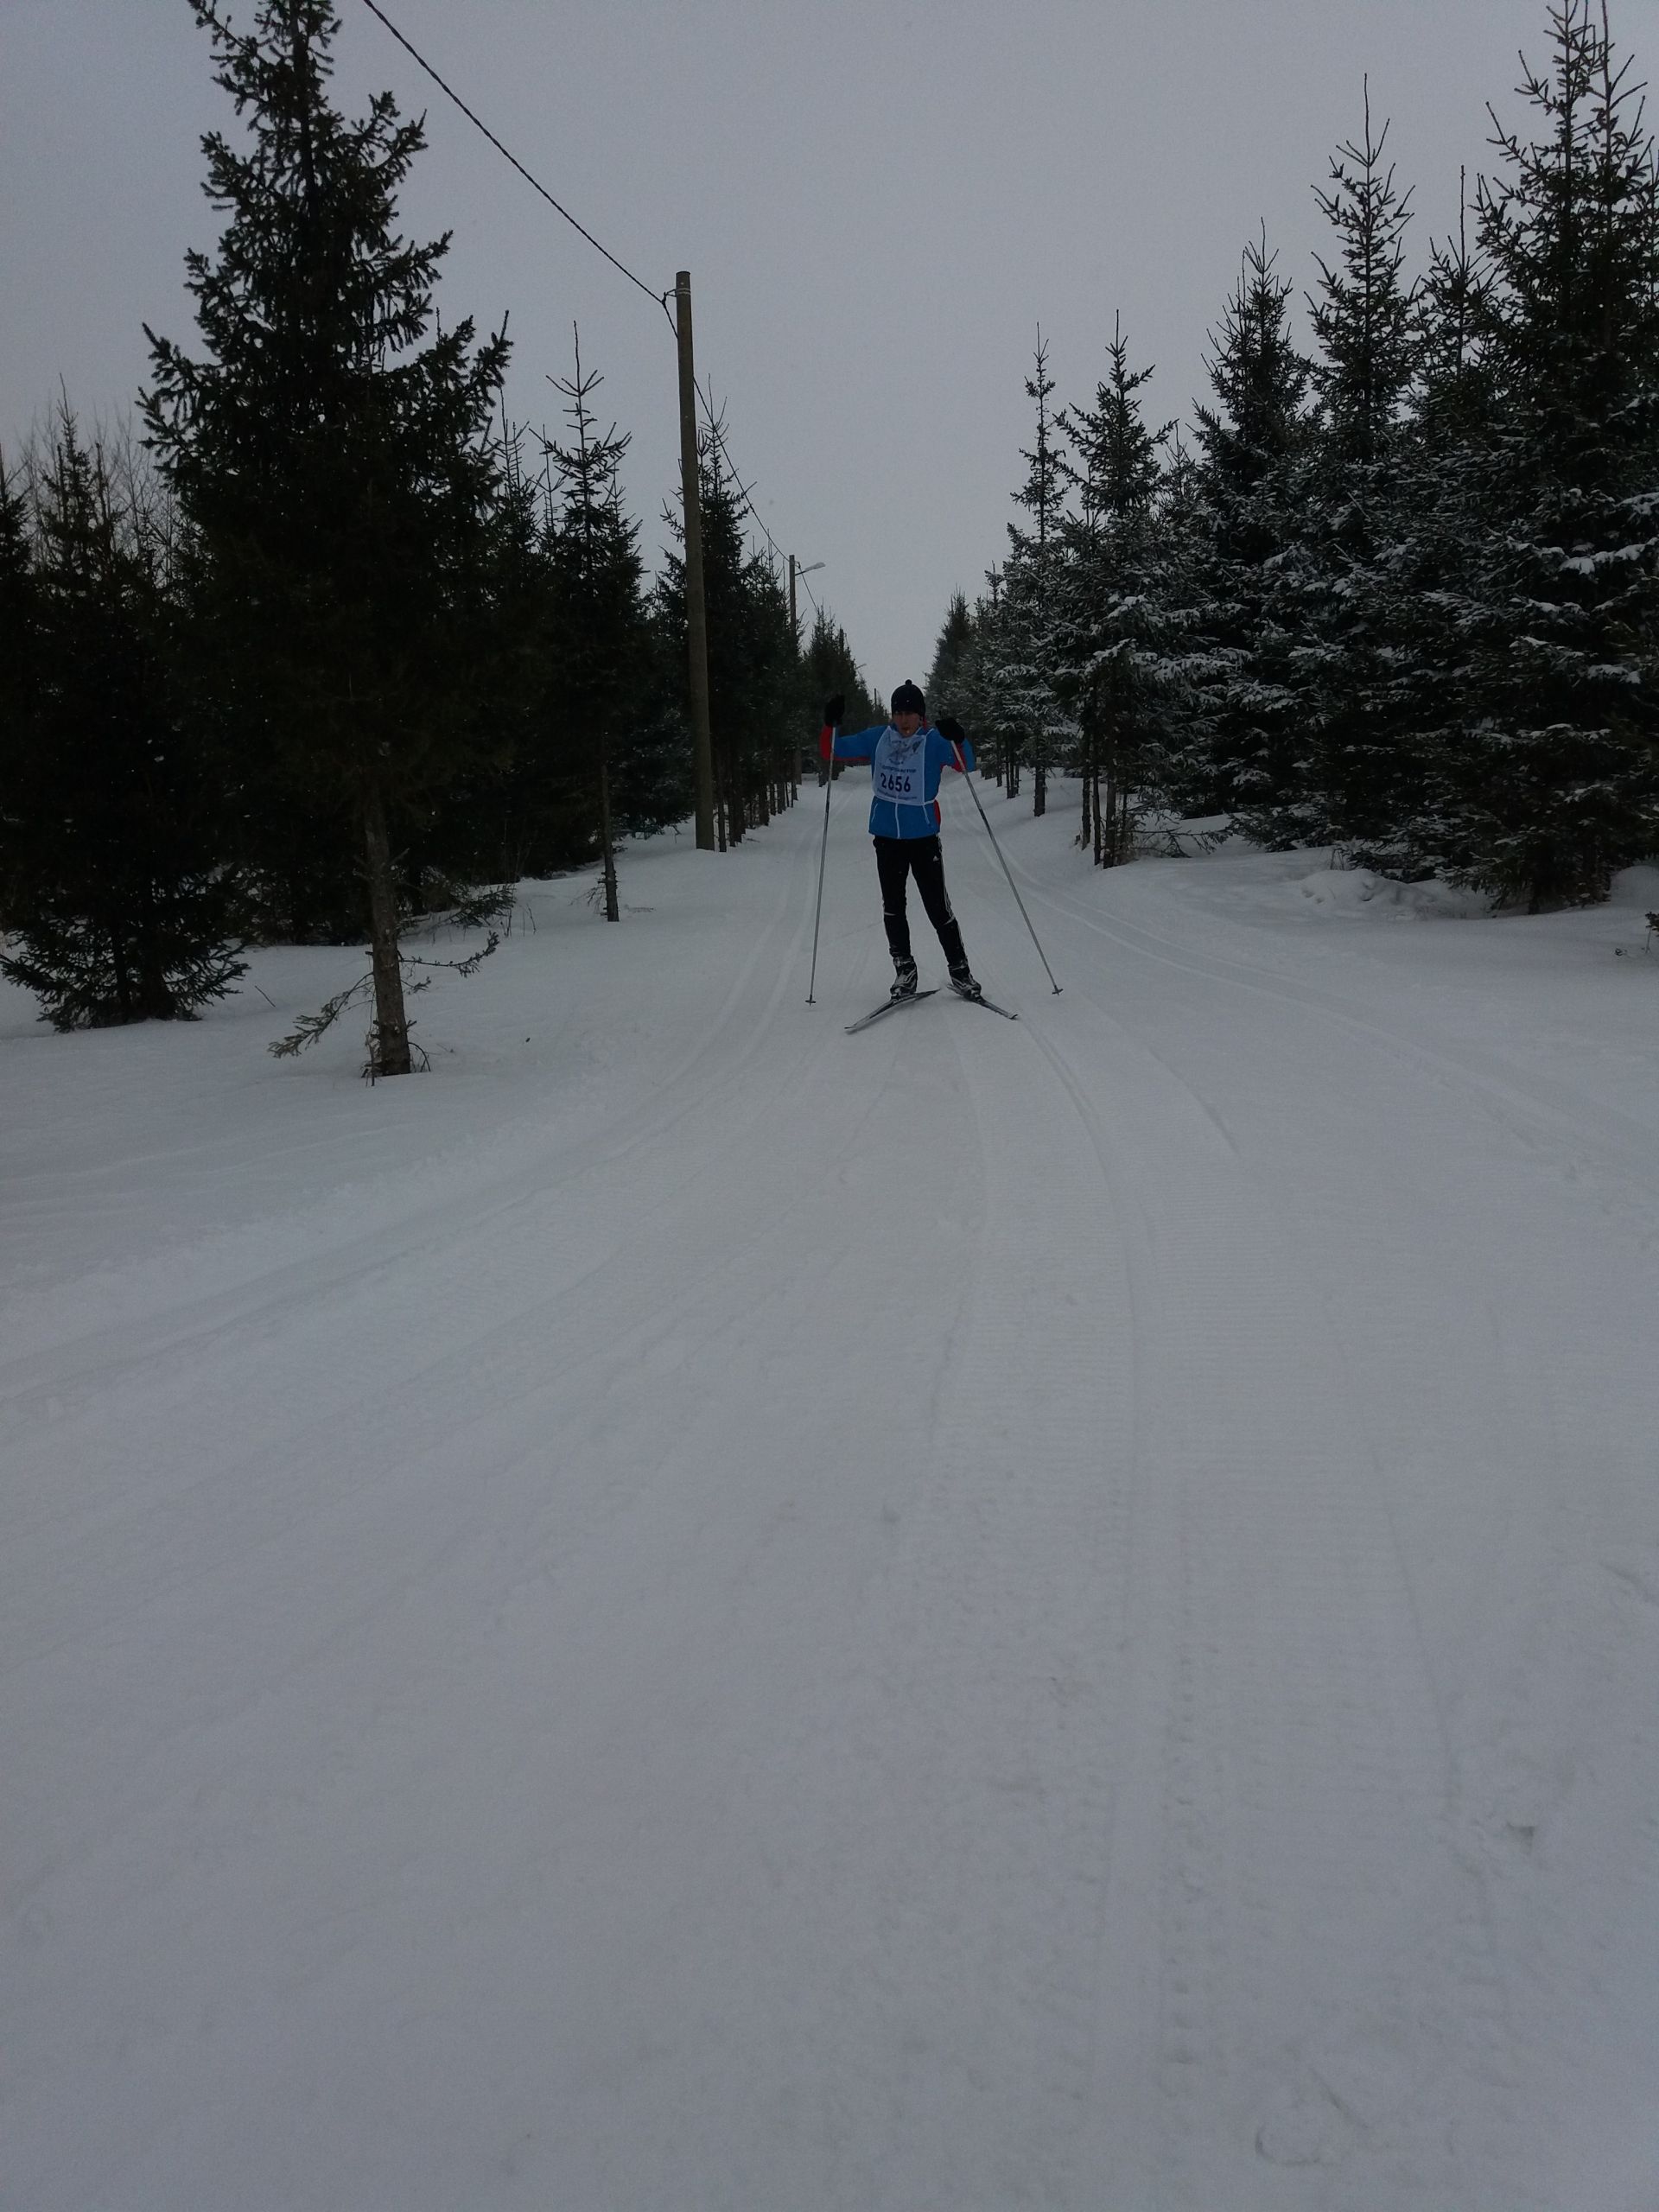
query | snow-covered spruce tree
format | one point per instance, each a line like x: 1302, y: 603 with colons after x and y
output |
x: 599, y: 659
x: 1452, y: 395
x: 334, y: 463
x: 960, y: 677
x: 1252, y: 446
x: 1175, y: 652
x: 989, y: 681
x: 1547, y: 780
x: 110, y: 877
x: 948, y: 679
x: 1413, y: 593
x: 1111, y: 630
x: 1026, y: 637
x: 1354, y: 779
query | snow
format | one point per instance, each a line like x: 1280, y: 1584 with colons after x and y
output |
x: 1362, y: 891
x: 690, y: 1611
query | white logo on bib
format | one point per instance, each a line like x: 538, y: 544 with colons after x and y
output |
x: 899, y: 770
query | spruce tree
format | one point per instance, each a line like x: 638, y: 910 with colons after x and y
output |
x: 332, y: 460
x: 492, y: 822
x: 1414, y: 598
x: 756, y: 697
x: 947, y: 674
x: 1026, y: 637
x: 996, y: 683
x: 1355, y: 511
x: 1180, y: 650
x: 1452, y: 399
x: 601, y: 658
x: 828, y: 667
x: 1252, y: 444
x: 1546, y: 778
x: 1110, y: 630
x: 110, y: 878
x: 20, y: 626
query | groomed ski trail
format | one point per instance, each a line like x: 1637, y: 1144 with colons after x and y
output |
x: 987, y: 1615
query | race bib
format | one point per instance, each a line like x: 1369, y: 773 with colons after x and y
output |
x: 898, y: 768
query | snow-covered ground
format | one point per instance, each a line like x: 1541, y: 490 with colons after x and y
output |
x: 694, y: 1612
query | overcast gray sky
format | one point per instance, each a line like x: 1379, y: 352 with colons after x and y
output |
x: 878, y: 203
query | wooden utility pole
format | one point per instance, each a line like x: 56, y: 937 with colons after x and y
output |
x: 798, y: 569
x: 696, y: 619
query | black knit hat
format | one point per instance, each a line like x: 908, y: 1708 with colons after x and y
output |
x: 907, y: 700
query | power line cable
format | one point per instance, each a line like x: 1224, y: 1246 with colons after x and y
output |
x: 718, y: 435
x: 661, y: 298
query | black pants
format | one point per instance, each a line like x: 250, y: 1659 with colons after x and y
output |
x: 898, y: 858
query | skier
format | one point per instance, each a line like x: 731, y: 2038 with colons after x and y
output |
x: 907, y: 755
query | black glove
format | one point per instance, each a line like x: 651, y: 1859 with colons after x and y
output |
x: 834, y: 709
x: 950, y: 729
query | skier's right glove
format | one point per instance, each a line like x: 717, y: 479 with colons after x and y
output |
x: 834, y: 709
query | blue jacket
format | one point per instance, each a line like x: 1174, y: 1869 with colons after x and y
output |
x: 904, y: 775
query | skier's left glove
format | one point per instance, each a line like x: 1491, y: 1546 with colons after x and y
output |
x: 951, y: 730
x: 834, y: 707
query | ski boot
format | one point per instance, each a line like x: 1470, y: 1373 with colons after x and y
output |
x: 963, y: 983
x: 903, y: 980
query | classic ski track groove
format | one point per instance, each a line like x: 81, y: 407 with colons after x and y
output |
x: 1109, y: 1800
x: 623, y: 1283
x: 1557, y: 1142
x: 1620, y: 1155
x: 251, y: 1303
x: 1312, y: 2148
x: 1373, y: 1768
x: 1378, y: 1770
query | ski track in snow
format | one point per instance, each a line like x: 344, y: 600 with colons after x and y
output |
x: 722, y: 1615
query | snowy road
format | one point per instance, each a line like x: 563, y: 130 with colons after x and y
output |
x: 695, y: 1613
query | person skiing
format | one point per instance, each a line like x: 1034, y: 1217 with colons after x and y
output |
x: 907, y: 756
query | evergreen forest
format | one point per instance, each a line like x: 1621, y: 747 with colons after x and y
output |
x: 329, y: 645
x: 1396, y: 591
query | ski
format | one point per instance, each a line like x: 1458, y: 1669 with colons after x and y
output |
x: 990, y: 1005
x: 888, y: 1005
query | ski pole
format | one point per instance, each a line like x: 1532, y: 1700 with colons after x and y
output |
x: 1013, y: 886
x: 823, y: 854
